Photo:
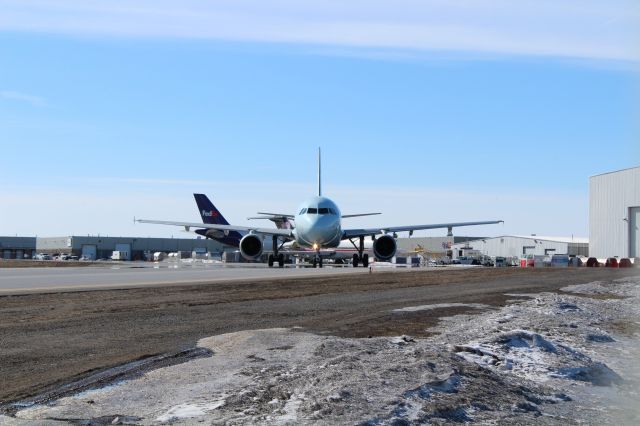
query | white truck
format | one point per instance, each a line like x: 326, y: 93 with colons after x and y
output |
x: 119, y: 255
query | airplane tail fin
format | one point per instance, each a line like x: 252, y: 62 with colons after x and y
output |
x: 319, y: 173
x: 209, y: 213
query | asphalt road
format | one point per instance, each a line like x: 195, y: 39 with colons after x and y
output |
x: 47, y: 339
x: 129, y: 275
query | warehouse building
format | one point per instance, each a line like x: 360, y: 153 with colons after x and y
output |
x: 134, y: 248
x: 614, y: 214
x: 522, y: 246
x: 17, y: 247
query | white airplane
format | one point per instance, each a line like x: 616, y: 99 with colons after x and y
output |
x: 318, y: 226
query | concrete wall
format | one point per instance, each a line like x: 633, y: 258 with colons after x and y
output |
x: 611, y: 196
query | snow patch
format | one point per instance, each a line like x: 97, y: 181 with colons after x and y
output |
x: 189, y: 411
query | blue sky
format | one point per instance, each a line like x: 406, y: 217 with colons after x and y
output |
x: 109, y: 111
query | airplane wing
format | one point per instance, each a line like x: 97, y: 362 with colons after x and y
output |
x: 188, y: 225
x: 353, y: 233
x: 344, y: 216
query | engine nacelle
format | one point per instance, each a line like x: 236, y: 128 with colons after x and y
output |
x: 384, y: 247
x: 251, y: 247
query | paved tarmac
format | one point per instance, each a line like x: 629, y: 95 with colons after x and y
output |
x: 131, y: 275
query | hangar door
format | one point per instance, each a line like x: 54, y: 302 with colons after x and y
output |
x: 89, y: 251
x: 125, y: 249
x: 634, y: 232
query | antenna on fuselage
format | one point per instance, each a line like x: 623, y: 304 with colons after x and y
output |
x: 319, y: 174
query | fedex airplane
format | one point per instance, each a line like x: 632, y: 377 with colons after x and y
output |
x: 318, y: 226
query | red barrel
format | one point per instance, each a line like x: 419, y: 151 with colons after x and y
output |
x: 612, y: 262
x: 592, y: 262
x: 625, y: 263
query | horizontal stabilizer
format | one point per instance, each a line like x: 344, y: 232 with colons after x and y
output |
x: 288, y: 216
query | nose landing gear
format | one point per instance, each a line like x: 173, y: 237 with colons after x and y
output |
x: 279, y: 257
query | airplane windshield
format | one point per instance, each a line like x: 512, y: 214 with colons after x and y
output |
x: 303, y: 211
x: 312, y: 210
x: 323, y: 210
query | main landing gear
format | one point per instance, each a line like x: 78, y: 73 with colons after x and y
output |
x: 364, y: 259
x: 279, y: 257
x: 361, y: 257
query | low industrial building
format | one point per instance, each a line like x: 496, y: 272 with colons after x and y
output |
x: 522, y: 246
x: 614, y: 214
x: 133, y: 248
x: 17, y: 247
x: 430, y: 246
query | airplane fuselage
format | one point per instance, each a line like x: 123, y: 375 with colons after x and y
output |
x: 318, y: 224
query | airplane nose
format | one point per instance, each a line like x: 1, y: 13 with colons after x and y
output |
x: 319, y: 230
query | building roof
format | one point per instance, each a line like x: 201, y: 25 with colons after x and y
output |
x: 615, y: 171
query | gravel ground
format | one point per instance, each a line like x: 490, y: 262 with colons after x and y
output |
x: 472, y: 366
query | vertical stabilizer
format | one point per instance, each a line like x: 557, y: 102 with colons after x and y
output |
x: 319, y: 174
x: 209, y: 213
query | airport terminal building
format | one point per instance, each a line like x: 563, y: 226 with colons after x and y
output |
x: 614, y: 214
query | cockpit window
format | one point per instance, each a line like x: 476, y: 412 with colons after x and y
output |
x: 323, y: 210
x: 312, y: 210
x: 303, y: 211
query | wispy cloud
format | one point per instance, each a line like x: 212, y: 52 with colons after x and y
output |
x: 589, y: 29
x: 22, y: 97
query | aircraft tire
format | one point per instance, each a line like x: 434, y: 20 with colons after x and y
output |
x: 320, y: 262
x: 270, y: 261
x: 356, y: 260
x: 281, y: 260
x: 365, y: 260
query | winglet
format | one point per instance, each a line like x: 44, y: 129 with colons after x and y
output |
x: 319, y: 173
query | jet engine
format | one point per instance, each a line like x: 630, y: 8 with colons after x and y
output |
x: 384, y: 247
x: 251, y: 246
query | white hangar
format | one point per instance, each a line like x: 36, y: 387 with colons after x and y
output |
x: 614, y: 214
x: 521, y: 246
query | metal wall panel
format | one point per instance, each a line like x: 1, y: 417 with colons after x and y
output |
x: 611, y: 196
x: 634, y: 232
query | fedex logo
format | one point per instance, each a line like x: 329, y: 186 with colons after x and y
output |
x: 211, y: 213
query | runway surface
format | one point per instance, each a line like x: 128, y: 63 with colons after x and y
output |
x: 131, y: 275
